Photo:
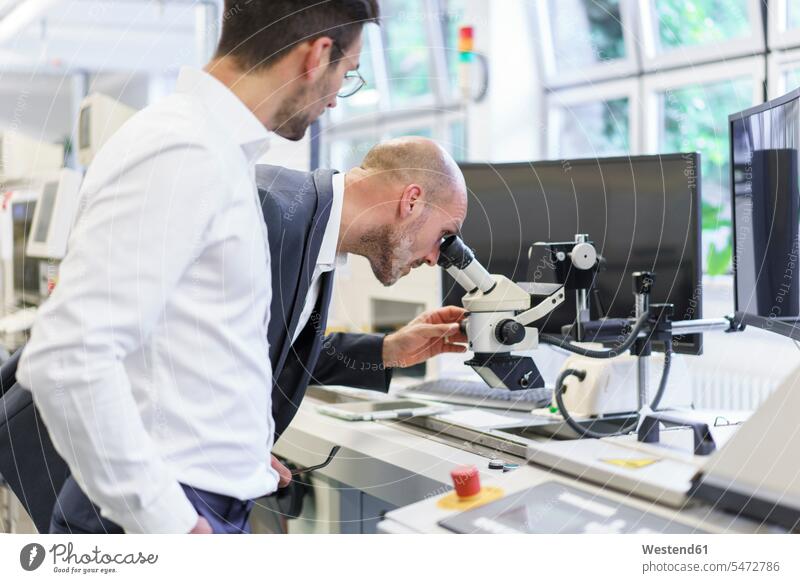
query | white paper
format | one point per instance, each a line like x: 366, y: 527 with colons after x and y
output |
x: 478, y: 418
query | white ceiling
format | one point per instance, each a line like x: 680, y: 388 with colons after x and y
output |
x: 125, y: 49
x: 98, y: 35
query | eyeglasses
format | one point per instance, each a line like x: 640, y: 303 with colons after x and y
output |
x: 352, y: 84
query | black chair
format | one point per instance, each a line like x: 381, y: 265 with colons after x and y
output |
x: 29, y: 463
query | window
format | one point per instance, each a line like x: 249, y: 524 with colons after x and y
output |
x: 586, y: 32
x: 790, y: 79
x: 456, y: 140
x: 784, y: 23
x: 594, y: 129
x: 689, y: 116
x: 784, y: 72
x: 347, y: 152
x: 346, y: 149
x: 594, y: 121
x: 408, y: 63
x: 690, y: 63
x: 699, y: 22
x: 584, y: 39
x: 366, y: 100
x: 691, y: 32
x: 792, y: 13
x: 452, y: 20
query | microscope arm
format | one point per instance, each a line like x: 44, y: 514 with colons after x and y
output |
x: 541, y: 309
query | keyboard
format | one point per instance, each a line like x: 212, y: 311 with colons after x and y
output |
x: 479, y: 394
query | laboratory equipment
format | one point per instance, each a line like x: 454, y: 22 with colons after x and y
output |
x: 100, y: 116
x: 23, y: 158
x: 642, y: 213
x: 53, y: 216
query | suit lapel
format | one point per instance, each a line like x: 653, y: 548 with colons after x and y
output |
x: 308, y: 258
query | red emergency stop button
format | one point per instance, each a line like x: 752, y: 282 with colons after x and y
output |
x: 466, y: 481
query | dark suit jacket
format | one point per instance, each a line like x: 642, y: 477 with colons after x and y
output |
x: 296, y: 208
x: 296, y: 212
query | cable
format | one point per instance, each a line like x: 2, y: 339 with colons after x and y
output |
x: 581, y: 375
x: 610, y: 353
x: 662, y: 385
x: 574, y: 425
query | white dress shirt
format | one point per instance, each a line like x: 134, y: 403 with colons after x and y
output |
x: 149, y: 363
x: 328, y: 259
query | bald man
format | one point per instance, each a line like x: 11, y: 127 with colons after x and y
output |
x: 394, y: 210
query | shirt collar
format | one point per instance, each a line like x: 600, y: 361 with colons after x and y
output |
x: 328, y: 259
x: 244, y: 126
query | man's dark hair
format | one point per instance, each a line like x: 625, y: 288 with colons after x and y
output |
x: 259, y: 32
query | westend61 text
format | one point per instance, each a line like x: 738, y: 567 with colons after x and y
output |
x: 675, y: 550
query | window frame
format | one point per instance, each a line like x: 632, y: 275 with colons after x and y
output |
x: 653, y: 61
x: 656, y: 83
x: 381, y: 81
x: 556, y: 101
x: 443, y: 101
x: 422, y: 101
x: 439, y: 121
x: 780, y: 36
x: 553, y: 78
x: 778, y: 63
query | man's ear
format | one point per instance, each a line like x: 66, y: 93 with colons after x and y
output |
x: 411, y: 201
x: 318, y: 58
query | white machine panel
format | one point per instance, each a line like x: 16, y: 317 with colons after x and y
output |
x: 100, y: 117
x: 54, y: 214
x: 23, y: 158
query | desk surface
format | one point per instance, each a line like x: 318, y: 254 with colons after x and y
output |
x: 410, y: 466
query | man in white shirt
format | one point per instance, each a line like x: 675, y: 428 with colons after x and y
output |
x: 149, y: 362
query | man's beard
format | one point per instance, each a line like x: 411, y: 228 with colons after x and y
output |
x: 295, y: 113
x: 291, y: 119
x: 389, y: 250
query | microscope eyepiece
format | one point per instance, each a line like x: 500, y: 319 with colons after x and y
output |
x: 460, y: 263
x: 454, y: 253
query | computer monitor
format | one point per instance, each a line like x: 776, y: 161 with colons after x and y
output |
x: 765, y: 198
x: 25, y: 272
x: 52, y: 219
x: 642, y: 213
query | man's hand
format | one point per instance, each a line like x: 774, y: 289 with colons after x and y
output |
x: 202, y: 527
x: 283, y: 472
x: 427, y: 335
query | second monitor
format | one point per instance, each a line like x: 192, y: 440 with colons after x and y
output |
x: 642, y: 213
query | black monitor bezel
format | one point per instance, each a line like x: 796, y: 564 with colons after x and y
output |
x: 775, y: 325
x: 695, y: 346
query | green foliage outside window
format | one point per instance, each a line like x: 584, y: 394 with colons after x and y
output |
x: 586, y: 32
x: 595, y: 129
x: 605, y: 28
x: 700, y: 22
x: 407, y: 51
x: 696, y: 118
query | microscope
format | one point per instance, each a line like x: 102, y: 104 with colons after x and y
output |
x: 501, y: 315
x: 501, y: 312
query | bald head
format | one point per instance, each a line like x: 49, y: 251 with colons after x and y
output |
x: 420, y: 160
x: 407, y: 194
